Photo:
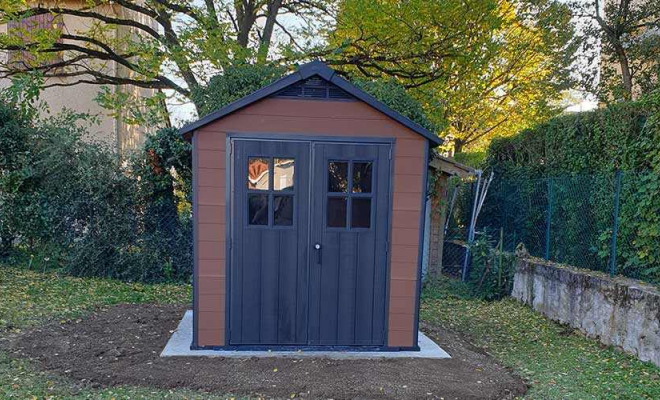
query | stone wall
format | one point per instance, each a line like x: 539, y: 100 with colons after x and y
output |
x: 618, y: 311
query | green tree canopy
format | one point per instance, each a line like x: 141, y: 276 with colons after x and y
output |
x: 154, y: 44
x: 484, y: 68
x: 629, y: 51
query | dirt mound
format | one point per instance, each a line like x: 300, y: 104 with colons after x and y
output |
x: 121, y: 346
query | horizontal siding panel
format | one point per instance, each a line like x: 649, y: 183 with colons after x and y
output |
x: 211, y: 159
x: 406, y: 237
x: 211, y: 177
x: 313, y: 126
x: 211, y: 196
x: 405, y: 254
x: 403, y: 288
x: 401, y: 270
x: 211, y: 232
x: 408, y: 184
x: 211, y: 214
x: 211, y: 268
x: 402, y: 305
x: 212, y: 303
x: 211, y: 250
x: 407, y: 201
x: 401, y: 322
x: 211, y: 337
x: 405, y: 219
x: 315, y: 108
x: 211, y: 285
x: 400, y: 338
x: 409, y: 166
x: 208, y: 139
x: 211, y: 321
x: 409, y: 147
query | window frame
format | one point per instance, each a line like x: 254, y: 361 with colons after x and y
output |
x: 349, y: 195
x: 270, y: 193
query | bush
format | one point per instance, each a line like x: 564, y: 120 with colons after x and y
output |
x: 492, y: 269
x: 395, y: 96
x: 234, y: 83
x: 72, y: 204
x: 241, y: 80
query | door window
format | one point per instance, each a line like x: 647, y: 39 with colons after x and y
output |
x: 349, y: 209
x: 271, y: 184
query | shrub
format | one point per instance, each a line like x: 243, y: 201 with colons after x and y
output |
x: 74, y: 205
x: 395, y: 96
x: 234, y: 83
x: 241, y: 80
x: 492, y: 269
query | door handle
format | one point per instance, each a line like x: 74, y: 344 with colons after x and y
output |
x: 317, y: 247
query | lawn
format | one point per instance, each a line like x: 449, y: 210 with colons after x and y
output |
x: 557, y: 362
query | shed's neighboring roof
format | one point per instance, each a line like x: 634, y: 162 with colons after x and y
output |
x: 314, y: 68
x: 451, y: 166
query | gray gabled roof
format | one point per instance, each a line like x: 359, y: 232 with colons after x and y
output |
x: 314, y: 68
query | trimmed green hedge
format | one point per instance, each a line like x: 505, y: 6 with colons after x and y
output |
x: 570, y: 163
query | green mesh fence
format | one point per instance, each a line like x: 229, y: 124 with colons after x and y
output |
x: 606, y: 222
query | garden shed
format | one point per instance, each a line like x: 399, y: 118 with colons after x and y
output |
x: 308, y: 206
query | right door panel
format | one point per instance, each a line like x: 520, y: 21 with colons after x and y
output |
x: 348, y: 271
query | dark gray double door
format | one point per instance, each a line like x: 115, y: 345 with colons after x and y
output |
x: 309, y: 233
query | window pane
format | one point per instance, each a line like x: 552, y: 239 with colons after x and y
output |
x: 337, y: 176
x: 284, y: 170
x: 362, y: 177
x: 337, y: 212
x: 257, y: 209
x: 361, y: 213
x: 283, y: 210
x: 258, y: 173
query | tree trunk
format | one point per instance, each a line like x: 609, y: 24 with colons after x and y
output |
x: 458, y: 145
x: 266, y: 37
x: 626, y: 76
x: 245, y: 16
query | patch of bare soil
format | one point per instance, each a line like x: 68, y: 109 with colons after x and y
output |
x: 121, y: 346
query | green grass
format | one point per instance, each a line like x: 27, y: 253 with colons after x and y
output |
x: 558, y: 362
x: 28, y: 298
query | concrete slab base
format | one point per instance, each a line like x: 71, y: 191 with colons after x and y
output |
x: 179, y: 346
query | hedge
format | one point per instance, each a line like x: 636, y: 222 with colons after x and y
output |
x: 571, y: 162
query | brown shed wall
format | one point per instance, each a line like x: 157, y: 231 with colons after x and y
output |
x: 314, y: 118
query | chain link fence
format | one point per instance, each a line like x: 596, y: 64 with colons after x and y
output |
x: 607, y: 222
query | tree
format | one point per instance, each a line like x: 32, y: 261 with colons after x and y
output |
x: 629, y: 35
x: 486, y: 67
x: 157, y: 44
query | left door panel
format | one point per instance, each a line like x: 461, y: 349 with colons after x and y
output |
x: 269, y: 227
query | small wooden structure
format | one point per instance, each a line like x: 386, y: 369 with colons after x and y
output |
x: 308, y: 206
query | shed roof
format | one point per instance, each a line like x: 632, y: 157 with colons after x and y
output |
x: 314, y: 68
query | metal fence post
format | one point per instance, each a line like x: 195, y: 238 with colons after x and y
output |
x: 615, y: 222
x: 548, y: 219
